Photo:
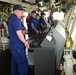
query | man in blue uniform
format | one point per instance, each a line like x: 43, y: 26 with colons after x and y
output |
x: 24, y: 31
x: 32, y: 25
x: 17, y: 45
x: 37, y: 21
x: 50, y: 19
x: 43, y: 24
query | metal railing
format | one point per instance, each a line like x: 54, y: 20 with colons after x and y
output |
x: 3, y: 40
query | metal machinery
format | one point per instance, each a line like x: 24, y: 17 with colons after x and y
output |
x: 41, y: 45
x: 68, y: 62
x: 41, y: 54
x: 69, y: 66
x: 60, y: 37
x: 3, y: 32
x: 53, y: 40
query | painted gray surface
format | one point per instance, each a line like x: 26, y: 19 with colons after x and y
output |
x: 59, y: 47
x: 44, y: 60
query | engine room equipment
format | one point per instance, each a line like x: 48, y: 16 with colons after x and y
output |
x: 41, y: 53
x: 68, y: 43
x: 68, y: 62
x: 60, y: 38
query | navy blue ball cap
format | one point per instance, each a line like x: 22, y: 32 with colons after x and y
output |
x: 42, y: 13
x: 18, y: 7
x: 37, y: 14
x: 33, y: 11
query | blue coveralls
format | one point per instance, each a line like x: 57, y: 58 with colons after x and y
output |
x: 31, y: 31
x: 43, y: 22
x: 19, y: 63
x: 50, y: 19
x: 38, y: 24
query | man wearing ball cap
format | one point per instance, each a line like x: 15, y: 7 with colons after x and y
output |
x: 18, y: 44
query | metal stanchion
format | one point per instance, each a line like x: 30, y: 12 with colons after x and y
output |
x: 3, y: 39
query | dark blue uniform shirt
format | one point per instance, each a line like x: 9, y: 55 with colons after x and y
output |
x: 42, y: 21
x: 50, y: 19
x: 31, y: 31
x: 14, y: 25
x: 23, y: 28
x: 38, y: 24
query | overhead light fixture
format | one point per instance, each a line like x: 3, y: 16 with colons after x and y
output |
x: 41, y: 3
